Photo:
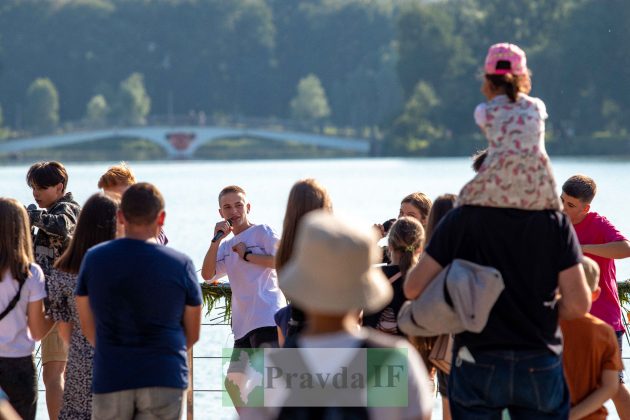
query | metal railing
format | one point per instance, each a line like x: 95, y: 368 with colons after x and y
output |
x: 190, y: 396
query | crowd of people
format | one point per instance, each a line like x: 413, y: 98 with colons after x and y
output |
x: 77, y: 278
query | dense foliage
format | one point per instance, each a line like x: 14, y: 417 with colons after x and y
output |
x: 408, y: 70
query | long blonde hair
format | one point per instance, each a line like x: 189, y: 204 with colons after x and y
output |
x: 16, y: 248
x: 306, y: 195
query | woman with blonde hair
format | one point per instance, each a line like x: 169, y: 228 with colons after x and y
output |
x: 405, y: 244
x: 22, y: 317
x: 305, y: 196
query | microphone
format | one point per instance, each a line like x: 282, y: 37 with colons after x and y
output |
x: 220, y: 233
x: 31, y: 207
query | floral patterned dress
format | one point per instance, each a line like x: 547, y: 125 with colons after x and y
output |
x: 77, y: 394
x: 516, y: 172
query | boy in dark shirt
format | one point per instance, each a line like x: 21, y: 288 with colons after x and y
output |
x: 55, y: 217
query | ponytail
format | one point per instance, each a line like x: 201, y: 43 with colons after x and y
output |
x: 510, y: 84
x: 406, y: 236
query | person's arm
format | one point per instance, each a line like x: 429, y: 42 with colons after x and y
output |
x: 7, y: 412
x: 608, y: 388
x: 60, y: 224
x: 38, y: 324
x: 615, y: 250
x: 209, y: 266
x: 86, y: 317
x: 420, y: 276
x: 575, y: 296
x: 192, y: 324
x: 281, y: 338
x: 267, y: 261
x: 65, y: 331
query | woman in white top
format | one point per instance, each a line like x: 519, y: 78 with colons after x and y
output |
x: 22, y: 317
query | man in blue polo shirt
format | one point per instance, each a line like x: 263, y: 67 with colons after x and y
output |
x: 140, y: 306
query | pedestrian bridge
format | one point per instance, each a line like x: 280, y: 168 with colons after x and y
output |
x: 181, y: 142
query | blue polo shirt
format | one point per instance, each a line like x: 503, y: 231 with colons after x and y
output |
x: 138, y: 291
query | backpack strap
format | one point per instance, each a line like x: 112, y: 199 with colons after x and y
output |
x: 13, y: 302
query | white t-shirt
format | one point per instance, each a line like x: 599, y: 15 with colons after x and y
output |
x: 256, y: 296
x: 15, y: 338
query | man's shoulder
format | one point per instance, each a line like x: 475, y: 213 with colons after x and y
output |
x: 102, y: 249
x: 263, y: 230
x: 596, y: 220
x: 66, y: 204
x: 501, y: 213
x: 124, y: 248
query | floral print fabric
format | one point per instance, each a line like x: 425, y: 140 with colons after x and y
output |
x: 77, y: 393
x: 516, y: 172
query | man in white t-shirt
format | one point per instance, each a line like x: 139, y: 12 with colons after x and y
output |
x: 248, y: 260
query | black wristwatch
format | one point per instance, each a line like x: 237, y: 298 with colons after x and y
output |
x: 246, y: 254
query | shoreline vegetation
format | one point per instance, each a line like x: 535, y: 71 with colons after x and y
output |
x: 250, y: 149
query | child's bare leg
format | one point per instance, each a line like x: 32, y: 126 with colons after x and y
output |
x: 622, y: 402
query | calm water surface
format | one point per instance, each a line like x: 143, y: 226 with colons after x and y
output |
x: 367, y: 189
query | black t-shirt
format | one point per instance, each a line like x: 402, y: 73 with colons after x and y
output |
x: 386, y: 320
x: 530, y: 249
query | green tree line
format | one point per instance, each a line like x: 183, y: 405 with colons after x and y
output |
x: 406, y: 69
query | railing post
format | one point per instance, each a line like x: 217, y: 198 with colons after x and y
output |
x: 190, y: 397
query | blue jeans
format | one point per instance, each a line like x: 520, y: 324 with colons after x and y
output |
x: 530, y: 384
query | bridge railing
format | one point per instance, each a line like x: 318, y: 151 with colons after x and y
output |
x: 201, y: 120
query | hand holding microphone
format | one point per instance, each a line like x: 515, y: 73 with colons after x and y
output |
x: 221, y: 229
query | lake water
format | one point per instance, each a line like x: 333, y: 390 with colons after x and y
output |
x: 366, y: 189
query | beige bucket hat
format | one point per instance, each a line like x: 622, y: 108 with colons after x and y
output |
x: 331, y: 270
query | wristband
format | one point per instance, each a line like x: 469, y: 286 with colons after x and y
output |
x: 246, y: 254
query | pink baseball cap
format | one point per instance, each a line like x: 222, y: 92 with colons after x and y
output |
x: 505, y: 58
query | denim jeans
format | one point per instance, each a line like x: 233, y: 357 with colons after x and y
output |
x: 530, y: 384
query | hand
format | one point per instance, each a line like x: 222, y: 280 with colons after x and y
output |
x: 240, y: 249
x: 222, y: 226
x: 380, y: 230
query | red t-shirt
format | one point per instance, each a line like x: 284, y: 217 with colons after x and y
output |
x: 594, y: 230
x: 590, y: 347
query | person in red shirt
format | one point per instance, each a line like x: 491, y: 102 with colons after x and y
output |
x: 602, y: 242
